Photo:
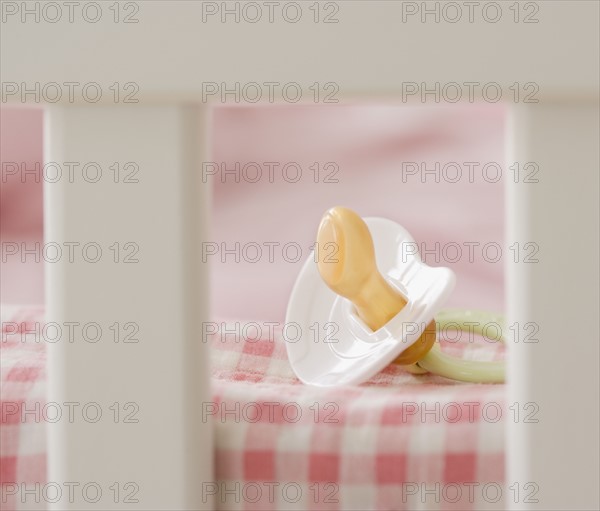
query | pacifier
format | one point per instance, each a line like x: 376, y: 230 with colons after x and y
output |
x: 363, y: 300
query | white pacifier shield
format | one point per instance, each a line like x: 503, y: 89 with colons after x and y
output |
x: 328, y: 344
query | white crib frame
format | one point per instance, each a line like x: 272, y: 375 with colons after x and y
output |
x: 163, y: 133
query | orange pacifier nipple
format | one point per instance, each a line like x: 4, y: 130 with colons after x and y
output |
x: 351, y: 271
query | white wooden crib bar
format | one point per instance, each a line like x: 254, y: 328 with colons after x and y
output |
x: 171, y: 60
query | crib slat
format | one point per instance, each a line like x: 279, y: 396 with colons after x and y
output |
x: 134, y: 275
x: 553, y: 304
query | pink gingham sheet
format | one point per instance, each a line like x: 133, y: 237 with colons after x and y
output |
x: 400, y: 441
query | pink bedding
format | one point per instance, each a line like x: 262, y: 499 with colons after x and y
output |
x: 399, y: 441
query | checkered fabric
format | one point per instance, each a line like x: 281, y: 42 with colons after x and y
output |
x: 400, y: 441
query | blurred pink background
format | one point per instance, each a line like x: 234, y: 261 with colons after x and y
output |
x: 367, y: 144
